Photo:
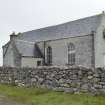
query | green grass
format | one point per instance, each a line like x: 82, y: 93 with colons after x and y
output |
x: 36, y: 96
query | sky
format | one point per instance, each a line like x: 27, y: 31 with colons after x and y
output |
x: 25, y: 15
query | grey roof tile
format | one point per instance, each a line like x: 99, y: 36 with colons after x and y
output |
x: 25, y: 48
x: 29, y: 49
x: 71, y: 29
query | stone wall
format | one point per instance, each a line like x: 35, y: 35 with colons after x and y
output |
x: 67, y: 79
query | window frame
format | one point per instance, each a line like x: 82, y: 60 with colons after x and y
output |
x: 104, y: 33
x: 71, y: 54
x: 39, y: 63
x: 49, y: 55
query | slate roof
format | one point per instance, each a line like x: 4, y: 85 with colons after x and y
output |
x: 75, y: 28
x: 25, y: 48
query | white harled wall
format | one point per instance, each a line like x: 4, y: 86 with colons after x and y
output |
x: 100, y: 44
x: 83, y: 48
x: 29, y: 62
x: 8, y: 59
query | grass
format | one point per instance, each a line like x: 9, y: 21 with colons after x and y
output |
x: 36, y: 96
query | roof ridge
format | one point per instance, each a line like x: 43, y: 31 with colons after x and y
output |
x: 25, y: 41
x: 82, y: 26
x: 64, y: 23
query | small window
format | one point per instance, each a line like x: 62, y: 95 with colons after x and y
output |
x: 104, y: 59
x: 104, y: 33
x: 71, y: 54
x: 49, y: 55
x: 38, y: 63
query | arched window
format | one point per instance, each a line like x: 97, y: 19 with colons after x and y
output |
x: 49, y: 55
x: 71, y: 54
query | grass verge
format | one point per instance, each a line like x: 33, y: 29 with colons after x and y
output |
x: 35, y: 96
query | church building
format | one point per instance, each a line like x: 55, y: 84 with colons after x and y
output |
x: 79, y: 42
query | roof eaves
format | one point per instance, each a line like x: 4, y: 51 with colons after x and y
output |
x: 6, y: 44
x: 65, y: 38
x: 61, y: 24
x: 6, y: 47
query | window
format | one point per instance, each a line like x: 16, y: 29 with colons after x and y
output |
x: 38, y: 63
x: 49, y: 55
x: 71, y: 54
x: 104, y: 33
x: 104, y: 59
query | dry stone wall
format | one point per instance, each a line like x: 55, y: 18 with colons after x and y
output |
x: 67, y: 79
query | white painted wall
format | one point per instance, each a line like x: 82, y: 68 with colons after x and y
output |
x: 29, y: 62
x: 100, y: 44
x: 83, y: 49
x: 8, y: 60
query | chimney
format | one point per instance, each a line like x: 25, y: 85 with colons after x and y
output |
x: 13, y: 36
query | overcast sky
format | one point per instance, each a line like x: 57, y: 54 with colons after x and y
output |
x: 24, y: 15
